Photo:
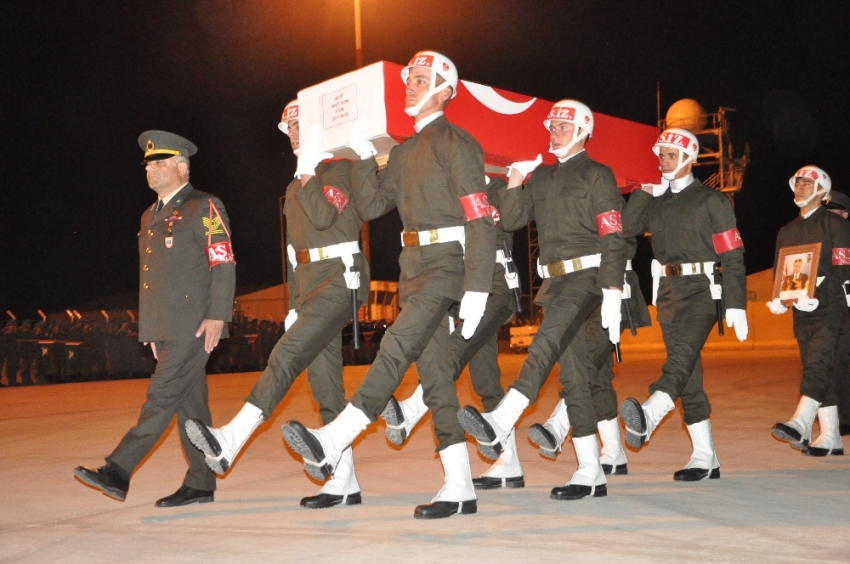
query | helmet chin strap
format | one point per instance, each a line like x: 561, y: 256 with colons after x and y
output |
x: 562, y: 152
x: 413, y: 111
x: 807, y: 201
x: 672, y: 175
x: 296, y: 151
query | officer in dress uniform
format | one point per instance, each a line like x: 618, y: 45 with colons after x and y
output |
x: 693, y: 231
x: 324, y: 265
x: 436, y: 180
x: 576, y: 205
x: 186, y: 283
x: 481, y: 354
x: 819, y: 320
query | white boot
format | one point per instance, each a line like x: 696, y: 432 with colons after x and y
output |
x: 506, y: 472
x: 703, y: 464
x: 457, y: 494
x: 829, y: 441
x: 220, y: 446
x: 589, y: 479
x: 551, y: 435
x: 612, y: 455
x: 641, y: 420
x: 322, y: 448
x: 342, y: 489
x: 798, y: 431
x: 402, y: 416
x: 491, y: 429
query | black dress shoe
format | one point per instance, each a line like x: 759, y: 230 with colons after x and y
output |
x: 787, y: 433
x: 107, y: 479
x: 490, y: 483
x: 323, y: 500
x: 818, y: 451
x: 308, y: 446
x: 440, y: 509
x: 474, y: 423
x: 394, y: 416
x: 185, y: 496
x: 617, y: 470
x: 576, y: 491
x: 634, y: 419
x: 543, y: 438
x: 696, y: 474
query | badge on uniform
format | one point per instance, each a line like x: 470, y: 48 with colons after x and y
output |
x: 169, y: 242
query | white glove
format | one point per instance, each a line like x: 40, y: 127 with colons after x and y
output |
x: 656, y: 189
x: 807, y: 304
x: 471, y: 311
x: 310, y: 154
x: 525, y: 167
x: 775, y: 306
x: 612, y: 315
x: 290, y: 319
x: 737, y: 318
x: 358, y: 139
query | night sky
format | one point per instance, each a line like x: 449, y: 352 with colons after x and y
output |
x: 81, y: 80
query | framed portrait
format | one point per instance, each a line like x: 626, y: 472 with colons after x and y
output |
x: 796, y: 272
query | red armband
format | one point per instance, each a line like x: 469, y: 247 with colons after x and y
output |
x: 494, y: 213
x: 475, y: 206
x: 336, y: 197
x: 220, y: 253
x: 840, y: 256
x: 609, y: 222
x: 727, y: 241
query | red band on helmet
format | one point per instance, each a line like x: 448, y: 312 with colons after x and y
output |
x: 220, y: 253
x: 290, y: 113
x: 727, y: 241
x: 672, y: 138
x: 475, y: 206
x: 560, y: 112
x: 336, y: 197
x: 609, y: 222
x: 422, y: 61
x: 840, y: 256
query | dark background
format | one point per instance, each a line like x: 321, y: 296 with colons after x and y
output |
x: 81, y: 80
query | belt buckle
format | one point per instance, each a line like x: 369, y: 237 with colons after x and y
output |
x: 411, y: 238
x: 323, y: 253
x: 433, y: 237
x: 302, y: 256
x: 673, y: 270
x: 576, y: 264
x: 556, y: 268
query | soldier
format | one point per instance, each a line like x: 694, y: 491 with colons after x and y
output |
x: 693, y: 231
x: 818, y: 321
x: 436, y: 180
x: 187, y: 280
x: 839, y: 203
x: 325, y: 264
x: 481, y: 354
x: 550, y: 435
x: 576, y: 204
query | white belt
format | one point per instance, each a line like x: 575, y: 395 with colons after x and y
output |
x: 434, y: 236
x: 511, y: 278
x: 685, y: 269
x: 629, y: 264
x: 344, y: 251
x: 568, y: 266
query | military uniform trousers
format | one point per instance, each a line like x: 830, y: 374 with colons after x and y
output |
x: 685, y: 326
x: 314, y: 342
x: 481, y: 352
x: 419, y: 334
x: 841, y: 374
x: 178, y: 386
x: 818, y: 337
x: 563, y: 300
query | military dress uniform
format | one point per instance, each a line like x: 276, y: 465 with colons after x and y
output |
x: 818, y: 332
x: 320, y: 219
x: 565, y: 200
x: 690, y: 230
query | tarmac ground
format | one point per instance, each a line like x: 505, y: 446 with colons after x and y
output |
x: 771, y: 504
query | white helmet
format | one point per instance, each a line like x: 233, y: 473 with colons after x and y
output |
x: 289, y: 112
x: 439, y: 65
x: 681, y: 139
x: 576, y: 113
x: 822, y: 181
